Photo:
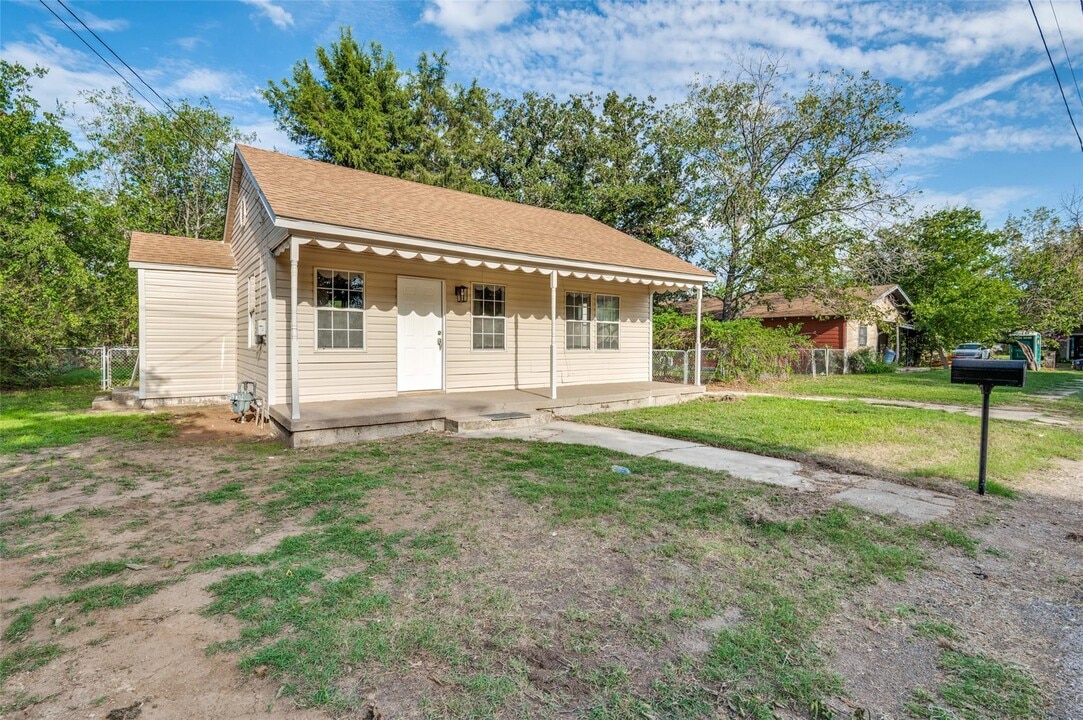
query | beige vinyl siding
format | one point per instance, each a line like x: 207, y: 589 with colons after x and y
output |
x: 524, y: 363
x: 253, y: 232
x: 188, y: 335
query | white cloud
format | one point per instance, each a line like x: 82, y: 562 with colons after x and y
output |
x: 978, y: 92
x: 197, y: 82
x: 268, y: 135
x: 190, y: 43
x: 993, y: 202
x: 470, y: 16
x: 275, y: 13
x: 102, y: 24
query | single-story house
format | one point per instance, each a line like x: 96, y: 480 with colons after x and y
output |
x: 872, y: 317
x: 333, y: 284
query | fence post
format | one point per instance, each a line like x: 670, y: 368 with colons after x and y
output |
x: 812, y: 356
x: 827, y: 361
x: 845, y: 362
x: 104, y: 364
x: 685, y: 366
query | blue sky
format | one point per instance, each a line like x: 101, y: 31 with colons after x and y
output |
x: 990, y: 127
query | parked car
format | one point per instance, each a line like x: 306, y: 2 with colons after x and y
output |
x: 970, y: 351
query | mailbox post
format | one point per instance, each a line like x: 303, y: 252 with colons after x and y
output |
x: 988, y: 374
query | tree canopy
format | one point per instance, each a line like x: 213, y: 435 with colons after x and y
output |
x: 778, y: 186
x: 959, y: 287
x: 599, y: 156
x: 1045, y: 263
x: 62, y: 256
x: 165, y: 174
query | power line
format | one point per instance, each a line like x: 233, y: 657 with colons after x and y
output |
x: 194, y: 137
x: 1055, y: 73
x: 101, y: 57
x: 1067, y: 57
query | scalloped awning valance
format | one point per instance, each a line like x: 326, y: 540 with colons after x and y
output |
x: 473, y: 262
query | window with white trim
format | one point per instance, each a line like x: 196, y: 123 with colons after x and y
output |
x: 577, y: 321
x: 862, y: 335
x: 607, y: 321
x: 489, y: 314
x: 340, y: 310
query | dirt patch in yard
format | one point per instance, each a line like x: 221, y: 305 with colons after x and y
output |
x: 1018, y: 599
x: 515, y: 613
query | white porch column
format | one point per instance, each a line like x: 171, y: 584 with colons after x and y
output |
x: 295, y: 387
x: 553, y: 335
x: 699, y: 344
x: 898, y: 333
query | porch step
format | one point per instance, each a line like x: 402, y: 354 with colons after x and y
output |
x: 497, y: 421
x: 117, y: 399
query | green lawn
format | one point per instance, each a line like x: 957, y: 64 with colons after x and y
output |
x: 933, y: 386
x: 33, y: 419
x: 505, y: 578
x: 902, y: 441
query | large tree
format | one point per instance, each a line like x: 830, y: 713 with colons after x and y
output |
x: 167, y: 174
x: 1045, y: 254
x: 959, y: 284
x: 780, y: 186
x: 62, y: 268
x: 602, y: 157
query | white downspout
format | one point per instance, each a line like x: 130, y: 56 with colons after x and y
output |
x: 295, y: 386
x: 699, y: 344
x: 553, y: 335
x: 272, y: 337
x: 650, y: 336
x: 141, y: 278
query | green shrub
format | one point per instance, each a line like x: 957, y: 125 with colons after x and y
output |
x: 733, y: 350
x: 864, y: 361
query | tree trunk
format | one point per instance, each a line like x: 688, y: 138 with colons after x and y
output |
x: 943, y: 358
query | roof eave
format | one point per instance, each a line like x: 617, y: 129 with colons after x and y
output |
x: 309, y: 227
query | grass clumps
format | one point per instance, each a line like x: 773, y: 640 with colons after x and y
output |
x: 976, y: 687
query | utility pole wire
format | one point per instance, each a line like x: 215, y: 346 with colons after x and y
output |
x: 1067, y: 57
x: 1055, y: 73
x: 133, y: 71
x: 102, y: 58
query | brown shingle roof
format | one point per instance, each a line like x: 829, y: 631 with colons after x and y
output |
x: 301, y: 189
x: 170, y: 250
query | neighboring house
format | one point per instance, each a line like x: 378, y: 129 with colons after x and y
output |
x: 1074, y: 346
x: 345, y: 285
x: 880, y: 322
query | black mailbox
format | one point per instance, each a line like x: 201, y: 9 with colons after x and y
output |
x: 988, y: 374
x: 994, y: 373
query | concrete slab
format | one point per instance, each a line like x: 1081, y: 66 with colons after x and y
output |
x: 884, y: 498
x: 757, y: 468
x: 571, y: 433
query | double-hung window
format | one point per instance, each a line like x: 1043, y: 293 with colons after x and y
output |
x: 489, y: 314
x: 340, y: 310
x: 577, y: 321
x: 608, y: 322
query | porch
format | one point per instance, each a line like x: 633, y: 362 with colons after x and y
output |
x: 337, y: 421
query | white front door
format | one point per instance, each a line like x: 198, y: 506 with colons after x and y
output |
x: 421, y: 334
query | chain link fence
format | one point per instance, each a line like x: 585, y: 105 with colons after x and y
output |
x: 678, y: 366
x: 108, y: 366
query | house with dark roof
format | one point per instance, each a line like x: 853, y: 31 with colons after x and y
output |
x: 876, y: 317
x: 334, y: 285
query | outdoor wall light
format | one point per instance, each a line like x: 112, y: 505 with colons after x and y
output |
x: 462, y: 293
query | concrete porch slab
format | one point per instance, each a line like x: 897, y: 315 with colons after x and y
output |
x: 329, y: 422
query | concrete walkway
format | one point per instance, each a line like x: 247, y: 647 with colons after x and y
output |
x: 885, y: 498
x: 1002, y: 413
